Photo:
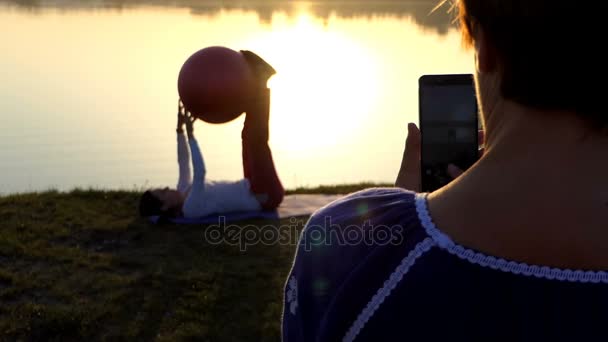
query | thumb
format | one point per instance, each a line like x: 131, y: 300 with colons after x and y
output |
x: 413, y: 139
x: 409, y: 175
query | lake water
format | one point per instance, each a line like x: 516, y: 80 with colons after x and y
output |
x: 88, y: 90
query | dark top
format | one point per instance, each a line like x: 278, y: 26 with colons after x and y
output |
x: 373, y: 267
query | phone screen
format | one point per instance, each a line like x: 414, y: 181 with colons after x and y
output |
x: 449, y: 126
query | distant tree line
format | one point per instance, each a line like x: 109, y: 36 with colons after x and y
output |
x: 421, y: 11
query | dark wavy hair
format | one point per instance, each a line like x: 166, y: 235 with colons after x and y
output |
x: 150, y: 205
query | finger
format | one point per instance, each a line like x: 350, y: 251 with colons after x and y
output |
x: 454, y: 171
x: 410, y: 170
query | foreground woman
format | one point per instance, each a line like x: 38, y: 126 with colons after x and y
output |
x: 512, y: 250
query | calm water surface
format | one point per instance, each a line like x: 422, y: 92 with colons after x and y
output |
x: 88, y: 90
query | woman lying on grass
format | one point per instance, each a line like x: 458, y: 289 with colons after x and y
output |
x: 194, y: 197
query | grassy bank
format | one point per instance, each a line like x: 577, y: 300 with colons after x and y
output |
x: 82, y: 266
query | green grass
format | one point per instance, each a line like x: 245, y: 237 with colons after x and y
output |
x: 82, y: 266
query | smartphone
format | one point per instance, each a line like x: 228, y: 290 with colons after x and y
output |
x: 449, y: 122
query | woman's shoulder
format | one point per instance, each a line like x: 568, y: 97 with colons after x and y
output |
x: 368, y: 232
x: 375, y: 204
x: 368, y: 253
x: 361, y: 222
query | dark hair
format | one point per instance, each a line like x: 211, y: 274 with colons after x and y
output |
x: 150, y: 205
x: 548, y: 50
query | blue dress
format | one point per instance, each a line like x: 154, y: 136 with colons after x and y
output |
x: 373, y: 267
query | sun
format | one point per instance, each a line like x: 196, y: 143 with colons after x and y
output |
x: 326, y: 84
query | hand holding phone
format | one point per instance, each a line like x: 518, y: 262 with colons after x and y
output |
x: 410, y: 172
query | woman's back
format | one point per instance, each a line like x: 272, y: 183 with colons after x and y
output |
x: 419, y: 283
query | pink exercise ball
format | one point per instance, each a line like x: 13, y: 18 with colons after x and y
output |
x: 215, y: 84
